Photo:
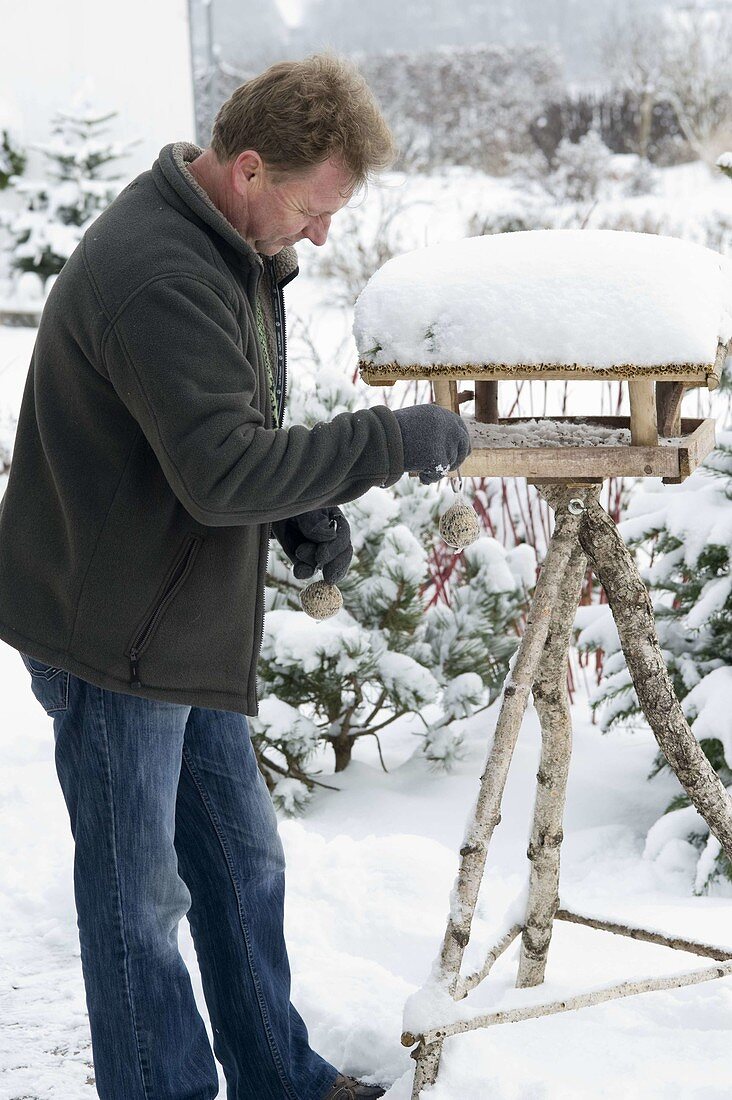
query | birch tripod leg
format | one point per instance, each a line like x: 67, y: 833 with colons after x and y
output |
x: 493, y: 780
x: 551, y: 700
x: 633, y: 613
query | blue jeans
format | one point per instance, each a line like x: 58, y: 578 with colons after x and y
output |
x: 171, y: 816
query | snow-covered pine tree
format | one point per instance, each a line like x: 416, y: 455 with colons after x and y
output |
x: 75, y: 190
x: 12, y: 158
x: 686, y: 530
x: 724, y: 162
x: 402, y: 646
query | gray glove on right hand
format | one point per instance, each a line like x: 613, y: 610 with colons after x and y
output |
x: 435, y: 440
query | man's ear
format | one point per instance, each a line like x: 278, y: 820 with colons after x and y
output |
x: 246, y: 167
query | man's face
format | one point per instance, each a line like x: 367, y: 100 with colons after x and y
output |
x: 295, y: 208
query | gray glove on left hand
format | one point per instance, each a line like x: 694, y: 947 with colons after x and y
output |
x: 317, y: 539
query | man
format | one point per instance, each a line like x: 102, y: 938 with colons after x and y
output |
x: 148, y: 469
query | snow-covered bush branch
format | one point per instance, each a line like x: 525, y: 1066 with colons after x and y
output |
x: 415, y: 639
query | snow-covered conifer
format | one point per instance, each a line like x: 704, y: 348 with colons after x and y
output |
x: 402, y: 645
x: 76, y: 187
x: 12, y: 158
x: 725, y: 163
x: 687, y: 529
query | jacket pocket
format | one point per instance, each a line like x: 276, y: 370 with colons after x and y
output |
x: 177, y: 574
x: 49, y: 684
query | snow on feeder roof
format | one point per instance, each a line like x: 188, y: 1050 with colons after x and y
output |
x: 557, y: 303
x: 549, y: 302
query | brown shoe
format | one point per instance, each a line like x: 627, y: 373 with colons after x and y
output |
x: 348, y: 1088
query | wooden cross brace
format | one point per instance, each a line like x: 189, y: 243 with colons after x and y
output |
x: 583, y: 531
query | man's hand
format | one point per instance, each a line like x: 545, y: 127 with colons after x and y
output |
x: 317, y: 539
x: 435, y: 440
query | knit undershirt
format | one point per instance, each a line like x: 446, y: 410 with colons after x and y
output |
x: 264, y: 345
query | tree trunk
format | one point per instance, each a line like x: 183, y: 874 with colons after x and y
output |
x: 342, y: 747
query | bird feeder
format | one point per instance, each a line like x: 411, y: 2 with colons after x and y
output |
x: 553, y: 306
x: 559, y: 306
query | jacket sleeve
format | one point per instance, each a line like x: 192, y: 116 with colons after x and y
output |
x: 174, y: 356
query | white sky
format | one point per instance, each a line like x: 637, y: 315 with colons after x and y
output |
x: 291, y: 11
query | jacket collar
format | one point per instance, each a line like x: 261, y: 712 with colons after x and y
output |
x: 173, y: 163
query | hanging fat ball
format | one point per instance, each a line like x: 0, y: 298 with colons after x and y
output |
x: 321, y: 600
x: 459, y: 525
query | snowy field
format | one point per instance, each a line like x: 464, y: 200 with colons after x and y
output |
x: 369, y: 874
x: 370, y: 867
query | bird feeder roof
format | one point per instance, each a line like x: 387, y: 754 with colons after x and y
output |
x: 548, y: 303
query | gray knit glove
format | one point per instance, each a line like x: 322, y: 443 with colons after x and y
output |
x: 435, y: 440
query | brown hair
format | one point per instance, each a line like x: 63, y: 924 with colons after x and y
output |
x: 298, y: 114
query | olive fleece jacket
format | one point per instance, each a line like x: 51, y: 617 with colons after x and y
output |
x: 146, y: 471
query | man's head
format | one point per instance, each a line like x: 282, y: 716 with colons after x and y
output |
x: 289, y: 149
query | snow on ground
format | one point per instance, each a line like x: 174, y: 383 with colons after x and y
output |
x: 370, y: 869
x: 371, y: 866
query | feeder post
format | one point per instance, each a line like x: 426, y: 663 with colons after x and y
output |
x: 486, y: 402
x: 446, y: 393
x: 643, y: 422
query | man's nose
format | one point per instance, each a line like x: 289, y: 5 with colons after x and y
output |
x: 317, y: 231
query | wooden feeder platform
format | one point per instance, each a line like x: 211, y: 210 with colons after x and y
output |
x: 659, y: 443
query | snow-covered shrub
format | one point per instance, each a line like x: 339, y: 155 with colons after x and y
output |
x: 676, y: 57
x: 59, y: 208
x: 423, y: 633
x: 557, y: 193
x: 618, y: 114
x: 517, y: 218
x: 470, y: 105
x: 687, y: 529
x: 12, y: 158
x: 716, y: 230
x: 631, y: 218
x: 636, y: 175
x: 578, y: 169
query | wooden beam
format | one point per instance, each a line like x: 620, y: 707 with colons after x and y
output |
x: 486, y: 402
x: 694, y: 374
x: 569, y: 1004
x: 678, y: 943
x: 643, y: 423
x: 445, y: 391
x: 668, y: 407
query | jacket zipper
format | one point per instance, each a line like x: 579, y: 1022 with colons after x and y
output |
x: 261, y: 629
x: 178, y: 574
x: 278, y: 304
x: 280, y: 315
x: 283, y: 395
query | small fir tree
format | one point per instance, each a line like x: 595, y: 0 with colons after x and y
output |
x: 12, y: 159
x: 724, y: 163
x: 59, y: 208
x: 408, y: 642
x: 687, y: 530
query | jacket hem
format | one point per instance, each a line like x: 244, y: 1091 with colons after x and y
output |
x: 195, y: 697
